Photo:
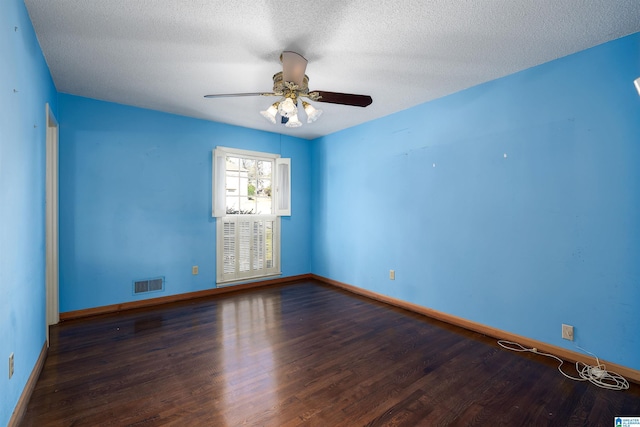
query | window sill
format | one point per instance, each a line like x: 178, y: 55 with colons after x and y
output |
x: 246, y: 280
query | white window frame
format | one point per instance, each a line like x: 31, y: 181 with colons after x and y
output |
x: 280, y: 205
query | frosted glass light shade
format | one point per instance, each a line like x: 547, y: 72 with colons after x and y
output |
x: 270, y: 113
x: 288, y: 108
x: 293, y: 122
x: 312, y: 113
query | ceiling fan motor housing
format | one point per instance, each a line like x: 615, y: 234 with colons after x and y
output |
x: 291, y: 90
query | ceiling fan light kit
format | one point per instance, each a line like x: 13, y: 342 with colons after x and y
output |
x: 312, y: 113
x: 270, y: 113
x: 292, y: 122
x: 291, y: 84
x: 287, y: 108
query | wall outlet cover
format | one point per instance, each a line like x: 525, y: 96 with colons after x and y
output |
x: 11, y: 366
x: 567, y: 332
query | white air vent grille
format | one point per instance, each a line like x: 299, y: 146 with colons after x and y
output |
x: 148, y: 285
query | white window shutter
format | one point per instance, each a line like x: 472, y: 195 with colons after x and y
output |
x: 283, y: 187
x: 228, y: 249
x: 218, y: 184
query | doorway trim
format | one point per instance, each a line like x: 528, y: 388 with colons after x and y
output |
x: 51, y: 222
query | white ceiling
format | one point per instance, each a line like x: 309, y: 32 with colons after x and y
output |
x: 166, y: 54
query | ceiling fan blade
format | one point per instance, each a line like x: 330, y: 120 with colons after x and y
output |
x: 344, y: 98
x: 234, y: 95
x: 293, y: 67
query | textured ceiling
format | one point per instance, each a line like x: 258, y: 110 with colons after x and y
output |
x: 166, y: 54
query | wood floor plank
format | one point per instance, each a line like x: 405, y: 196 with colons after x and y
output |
x: 300, y: 354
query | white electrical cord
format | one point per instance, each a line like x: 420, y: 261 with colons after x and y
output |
x: 597, y: 375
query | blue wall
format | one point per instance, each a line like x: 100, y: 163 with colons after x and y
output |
x: 135, y: 200
x: 548, y: 235
x: 25, y: 88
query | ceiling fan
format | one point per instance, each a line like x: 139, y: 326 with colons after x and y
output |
x: 291, y: 84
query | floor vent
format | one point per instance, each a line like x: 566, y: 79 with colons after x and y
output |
x: 149, y: 285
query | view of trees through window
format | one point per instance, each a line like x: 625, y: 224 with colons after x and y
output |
x: 248, y: 186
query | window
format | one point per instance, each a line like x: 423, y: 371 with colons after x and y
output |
x: 251, y: 190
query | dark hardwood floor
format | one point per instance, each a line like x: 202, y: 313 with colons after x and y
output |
x: 301, y: 354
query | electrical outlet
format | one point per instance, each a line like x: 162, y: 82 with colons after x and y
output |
x: 194, y: 269
x: 567, y: 332
x: 10, y: 365
x: 392, y: 275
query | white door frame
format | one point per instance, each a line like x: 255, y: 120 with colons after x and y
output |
x: 51, y: 203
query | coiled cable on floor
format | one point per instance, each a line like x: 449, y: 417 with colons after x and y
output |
x: 597, y: 375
